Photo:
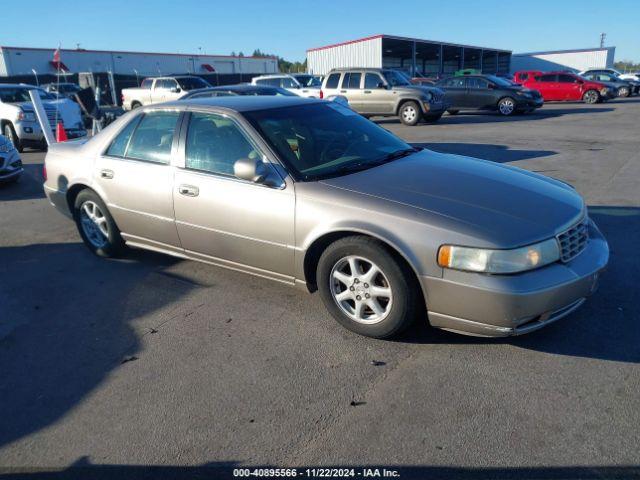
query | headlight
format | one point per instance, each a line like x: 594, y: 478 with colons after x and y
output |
x: 524, y: 94
x: 28, y: 116
x: 499, y: 261
x: 6, y: 147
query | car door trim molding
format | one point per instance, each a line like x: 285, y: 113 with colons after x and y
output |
x: 236, y: 235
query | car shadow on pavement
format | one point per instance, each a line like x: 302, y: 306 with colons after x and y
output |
x: 82, y: 469
x: 69, y: 319
x: 28, y: 186
x: 606, y: 327
x: 495, y: 153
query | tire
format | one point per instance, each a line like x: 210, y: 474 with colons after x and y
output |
x: 624, y: 92
x: 10, y: 132
x: 409, y: 113
x: 591, y: 97
x: 393, y: 291
x: 135, y: 105
x: 453, y: 112
x: 506, y: 106
x: 96, y: 226
x: 432, y: 118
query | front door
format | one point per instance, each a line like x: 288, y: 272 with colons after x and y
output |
x: 547, y: 85
x: 376, y: 98
x: 479, y: 93
x: 222, y: 219
x: 569, y: 88
x: 135, y: 179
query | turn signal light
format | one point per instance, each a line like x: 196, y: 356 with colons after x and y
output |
x: 444, y: 256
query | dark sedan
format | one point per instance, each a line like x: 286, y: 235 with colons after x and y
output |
x: 233, y: 90
x: 488, y: 92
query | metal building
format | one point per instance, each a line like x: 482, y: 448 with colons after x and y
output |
x: 415, y: 56
x: 576, y: 60
x: 15, y: 61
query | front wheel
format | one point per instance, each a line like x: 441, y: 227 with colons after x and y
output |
x: 591, y: 97
x: 96, y: 226
x: 506, y: 106
x: 623, y: 92
x: 410, y: 113
x: 366, y: 289
x: 11, y: 134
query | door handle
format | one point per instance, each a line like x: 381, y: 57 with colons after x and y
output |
x: 188, y: 190
x: 106, y: 173
x: 367, y: 91
x: 343, y: 91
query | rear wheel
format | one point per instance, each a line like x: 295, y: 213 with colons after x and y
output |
x: 409, y: 113
x: 366, y: 289
x: 591, y: 96
x: 96, y: 226
x: 135, y: 105
x: 11, y: 134
x: 506, y: 106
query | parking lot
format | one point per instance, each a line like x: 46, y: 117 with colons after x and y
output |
x: 151, y: 360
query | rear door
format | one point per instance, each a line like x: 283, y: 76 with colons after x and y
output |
x: 222, y: 219
x: 351, y: 87
x: 331, y: 84
x: 134, y: 177
x: 158, y: 91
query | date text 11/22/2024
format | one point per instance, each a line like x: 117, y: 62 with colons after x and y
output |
x: 316, y: 472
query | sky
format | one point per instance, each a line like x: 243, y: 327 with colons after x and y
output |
x: 288, y: 28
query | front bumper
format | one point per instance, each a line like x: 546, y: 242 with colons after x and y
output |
x: 10, y: 166
x: 528, y: 103
x: 30, y: 132
x: 435, y: 108
x: 504, y: 305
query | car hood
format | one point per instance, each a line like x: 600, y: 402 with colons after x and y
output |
x: 420, y: 88
x: 502, y: 205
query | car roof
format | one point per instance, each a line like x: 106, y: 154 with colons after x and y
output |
x: 18, y: 85
x: 244, y: 103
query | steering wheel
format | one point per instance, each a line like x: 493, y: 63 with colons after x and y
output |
x: 334, y: 149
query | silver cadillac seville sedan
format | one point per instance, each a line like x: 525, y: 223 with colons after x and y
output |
x: 309, y: 193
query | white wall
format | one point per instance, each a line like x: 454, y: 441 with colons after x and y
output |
x: 365, y: 53
x: 569, y: 60
x: 16, y: 61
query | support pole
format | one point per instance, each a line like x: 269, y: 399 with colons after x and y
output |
x: 42, y: 117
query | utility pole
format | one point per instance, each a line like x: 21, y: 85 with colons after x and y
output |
x: 602, y: 38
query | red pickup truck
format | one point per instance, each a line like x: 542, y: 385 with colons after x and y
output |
x: 564, y: 86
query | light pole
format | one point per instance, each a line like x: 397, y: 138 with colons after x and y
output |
x: 35, y: 74
x: 137, y: 79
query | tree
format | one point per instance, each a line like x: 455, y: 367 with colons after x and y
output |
x: 627, y: 66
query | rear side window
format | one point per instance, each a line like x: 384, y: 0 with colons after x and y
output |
x: 455, y: 82
x: 288, y: 83
x: 119, y: 144
x: 567, y: 79
x: 354, y: 80
x: 547, y: 78
x: 152, y: 140
x: 332, y: 81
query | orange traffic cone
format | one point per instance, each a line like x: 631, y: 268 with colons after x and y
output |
x: 61, y: 135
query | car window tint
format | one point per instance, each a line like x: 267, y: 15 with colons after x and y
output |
x: 547, y: 78
x: 354, y: 80
x: 146, y: 83
x: 171, y: 84
x: 332, y: 81
x: 477, y: 83
x: 153, y: 138
x: 345, y: 80
x: 119, y: 144
x: 215, y: 143
x: 288, y: 83
x: 566, y: 79
x: 371, y: 80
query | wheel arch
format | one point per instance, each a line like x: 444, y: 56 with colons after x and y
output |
x: 313, y: 252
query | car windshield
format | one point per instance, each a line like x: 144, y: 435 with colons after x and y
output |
x: 503, y: 82
x: 21, y: 94
x: 395, y: 79
x: 325, y: 140
x: 308, y: 81
x: 191, y: 83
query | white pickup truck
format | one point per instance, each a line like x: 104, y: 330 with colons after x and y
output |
x: 159, y: 89
x: 302, y: 84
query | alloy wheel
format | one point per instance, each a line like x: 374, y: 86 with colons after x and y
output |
x: 409, y: 114
x: 591, y: 96
x: 94, y: 224
x: 361, y: 289
x: 507, y: 106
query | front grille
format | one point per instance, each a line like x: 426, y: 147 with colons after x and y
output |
x: 51, y: 116
x: 574, y: 240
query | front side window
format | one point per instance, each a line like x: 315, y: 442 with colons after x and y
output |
x: 215, y: 143
x: 146, y: 83
x: 288, y: 83
x: 152, y: 139
x: 455, y: 82
x: 477, y: 83
x: 567, y: 79
x: 191, y: 83
x: 323, y: 140
x: 372, y: 80
x: 332, y: 81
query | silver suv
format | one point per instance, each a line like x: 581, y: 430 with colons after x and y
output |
x: 381, y: 92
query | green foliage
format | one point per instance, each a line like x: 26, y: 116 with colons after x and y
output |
x: 627, y: 66
x: 284, y: 66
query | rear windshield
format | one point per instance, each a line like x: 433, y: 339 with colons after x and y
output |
x: 21, y: 94
x: 308, y: 81
x: 500, y: 81
x: 191, y: 83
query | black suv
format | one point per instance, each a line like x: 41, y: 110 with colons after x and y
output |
x: 488, y: 92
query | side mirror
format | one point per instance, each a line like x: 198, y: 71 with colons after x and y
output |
x: 175, y: 90
x: 251, y: 169
x: 491, y: 86
x: 381, y: 85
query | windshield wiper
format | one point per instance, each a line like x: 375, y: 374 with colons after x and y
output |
x: 359, y: 166
x: 395, y: 155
